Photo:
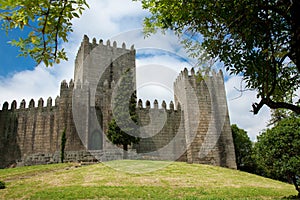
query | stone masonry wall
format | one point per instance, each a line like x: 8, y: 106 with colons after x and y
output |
x: 207, y: 127
x: 162, y: 131
x: 196, y: 129
x: 36, y: 129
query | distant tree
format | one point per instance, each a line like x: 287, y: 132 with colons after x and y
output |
x: 243, y: 149
x: 63, y: 146
x: 277, y: 151
x: 2, y: 185
x: 122, y: 129
x: 49, y: 22
x: 259, y: 40
x: 277, y: 115
x: 119, y: 137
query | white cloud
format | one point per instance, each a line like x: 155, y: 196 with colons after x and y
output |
x: 28, y: 84
x: 33, y: 84
x: 156, y: 73
x: 106, y: 18
x: 239, y: 105
x: 121, y: 20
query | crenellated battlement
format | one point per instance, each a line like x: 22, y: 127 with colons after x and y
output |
x: 192, y: 75
x: 31, y: 105
x: 93, y: 44
x: 65, y: 85
x: 155, y: 105
x: 86, y: 47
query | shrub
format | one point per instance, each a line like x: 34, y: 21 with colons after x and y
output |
x: 63, y: 145
x: 2, y: 185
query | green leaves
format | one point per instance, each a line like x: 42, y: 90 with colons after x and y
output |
x: 123, y: 129
x: 251, y: 38
x: 243, y: 150
x: 49, y: 21
x: 277, y: 150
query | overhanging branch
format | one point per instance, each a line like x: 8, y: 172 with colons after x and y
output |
x: 274, y: 105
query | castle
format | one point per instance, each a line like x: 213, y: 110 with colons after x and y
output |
x: 194, y: 129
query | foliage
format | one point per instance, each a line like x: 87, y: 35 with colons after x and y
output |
x: 2, y: 185
x: 49, y: 22
x: 277, y: 151
x: 243, y: 149
x: 63, y: 145
x: 119, y: 137
x: 256, y: 39
x: 102, y: 181
x: 278, y: 115
x: 122, y: 129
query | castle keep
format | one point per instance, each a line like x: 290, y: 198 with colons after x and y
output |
x: 195, y: 128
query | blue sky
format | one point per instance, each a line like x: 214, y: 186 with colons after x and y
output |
x: 10, y: 62
x: 119, y: 20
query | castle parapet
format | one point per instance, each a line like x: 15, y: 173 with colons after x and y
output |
x: 31, y: 105
x: 171, y: 105
x: 64, y: 85
x: 57, y: 101
x: 164, y: 105
x: 86, y: 47
x: 71, y: 84
x: 41, y: 103
x: 66, y: 88
x: 23, y: 104
x: 148, y: 105
x: 156, y: 105
x: 5, y: 106
x: 13, y: 105
x: 199, y: 76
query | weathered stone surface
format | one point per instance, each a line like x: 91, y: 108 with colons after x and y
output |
x: 194, y: 129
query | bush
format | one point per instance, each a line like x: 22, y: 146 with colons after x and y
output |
x: 2, y: 185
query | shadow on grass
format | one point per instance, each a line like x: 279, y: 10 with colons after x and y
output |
x: 292, y: 197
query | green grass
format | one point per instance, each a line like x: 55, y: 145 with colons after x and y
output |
x: 129, y: 179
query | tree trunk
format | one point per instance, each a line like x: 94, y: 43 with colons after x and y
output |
x: 295, y: 32
x: 125, y: 152
x: 294, y: 179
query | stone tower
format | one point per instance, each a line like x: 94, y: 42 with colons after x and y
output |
x: 206, y: 120
x: 98, y: 68
x: 195, y: 128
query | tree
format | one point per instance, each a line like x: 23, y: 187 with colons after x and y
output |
x: 277, y: 151
x: 258, y: 39
x: 49, y: 22
x: 119, y: 137
x: 243, y: 149
x: 278, y: 115
x: 122, y: 129
x: 2, y: 185
x: 63, y: 145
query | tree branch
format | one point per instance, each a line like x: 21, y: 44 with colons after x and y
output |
x: 57, y: 27
x: 44, y: 27
x: 274, y: 105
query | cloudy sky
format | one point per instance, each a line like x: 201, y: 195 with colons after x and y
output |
x: 119, y: 20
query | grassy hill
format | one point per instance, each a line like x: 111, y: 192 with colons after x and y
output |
x: 129, y: 179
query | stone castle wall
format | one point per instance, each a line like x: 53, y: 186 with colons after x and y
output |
x: 37, y: 129
x: 162, y: 131
x: 206, y: 119
x: 196, y: 129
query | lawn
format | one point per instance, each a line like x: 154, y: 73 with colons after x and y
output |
x: 130, y: 179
